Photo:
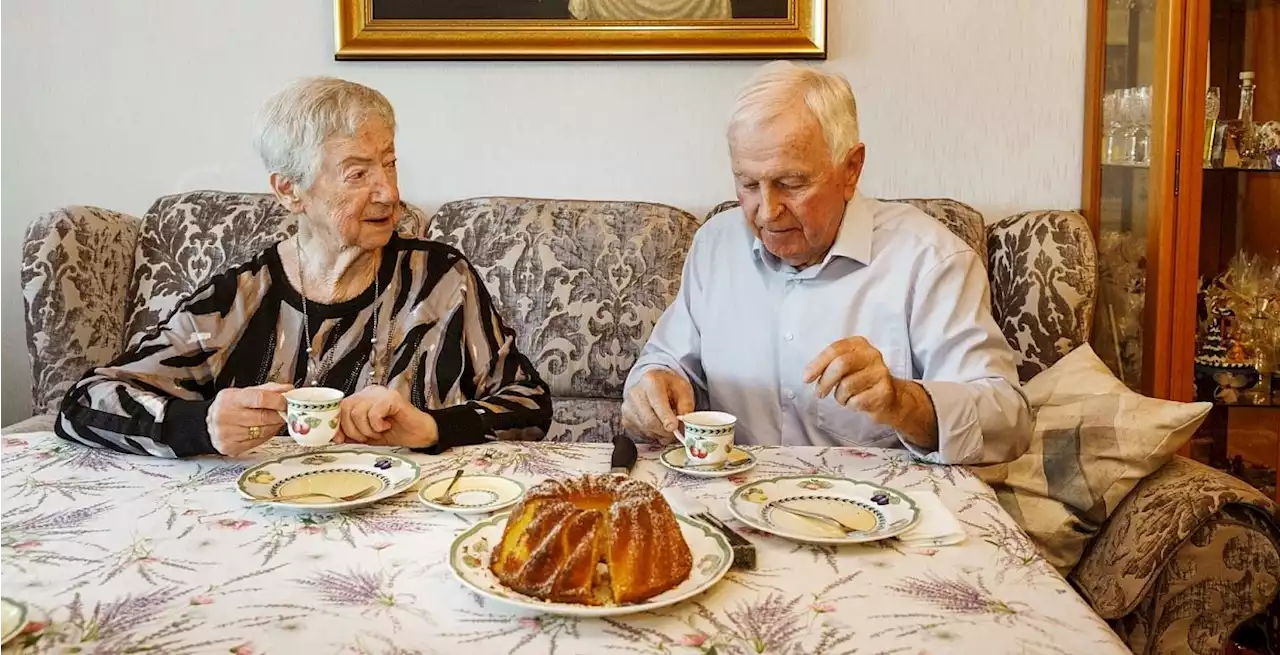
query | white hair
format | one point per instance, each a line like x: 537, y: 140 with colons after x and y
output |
x: 776, y: 86
x: 291, y: 128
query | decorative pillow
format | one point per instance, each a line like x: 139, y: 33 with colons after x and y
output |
x: 1092, y: 442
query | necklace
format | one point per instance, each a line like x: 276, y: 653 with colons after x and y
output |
x: 319, y: 371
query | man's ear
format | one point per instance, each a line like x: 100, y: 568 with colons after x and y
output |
x: 286, y: 192
x: 851, y: 169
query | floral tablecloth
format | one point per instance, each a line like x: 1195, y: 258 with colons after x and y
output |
x: 124, y: 554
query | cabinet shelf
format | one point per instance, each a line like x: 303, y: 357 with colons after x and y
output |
x: 1232, y: 169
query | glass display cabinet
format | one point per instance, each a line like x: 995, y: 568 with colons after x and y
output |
x: 1182, y: 188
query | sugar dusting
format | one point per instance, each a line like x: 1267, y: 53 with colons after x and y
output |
x: 641, y: 544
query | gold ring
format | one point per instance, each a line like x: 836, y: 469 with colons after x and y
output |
x: 255, y: 432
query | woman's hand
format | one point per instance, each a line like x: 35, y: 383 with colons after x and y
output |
x: 243, y: 418
x: 379, y: 416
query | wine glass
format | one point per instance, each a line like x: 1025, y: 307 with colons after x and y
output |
x: 1111, y: 149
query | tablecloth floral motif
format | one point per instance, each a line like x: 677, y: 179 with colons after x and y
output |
x: 123, y: 554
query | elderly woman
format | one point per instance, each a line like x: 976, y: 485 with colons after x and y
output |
x: 403, y: 326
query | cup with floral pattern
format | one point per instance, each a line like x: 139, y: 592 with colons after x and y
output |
x: 707, y: 437
x: 312, y: 416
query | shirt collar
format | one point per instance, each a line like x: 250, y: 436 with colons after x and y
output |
x: 853, y: 240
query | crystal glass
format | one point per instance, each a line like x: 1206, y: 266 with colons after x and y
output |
x: 1112, y: 151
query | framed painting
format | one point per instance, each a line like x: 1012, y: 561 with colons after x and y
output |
x: 581, y: 29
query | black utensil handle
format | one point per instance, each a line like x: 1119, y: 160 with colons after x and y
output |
x: 624, y: 452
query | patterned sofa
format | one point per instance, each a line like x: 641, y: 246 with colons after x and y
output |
x: 1187, y: 557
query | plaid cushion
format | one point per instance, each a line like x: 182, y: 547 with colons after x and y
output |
x: 1093, y: 441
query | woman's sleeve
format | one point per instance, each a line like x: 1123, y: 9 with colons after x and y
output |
x: 154, y: 398
x: 506, y: 398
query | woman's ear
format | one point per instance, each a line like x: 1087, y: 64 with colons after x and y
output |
x: 286, y: 192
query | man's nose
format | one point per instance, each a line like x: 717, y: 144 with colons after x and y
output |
x: 770, y: 203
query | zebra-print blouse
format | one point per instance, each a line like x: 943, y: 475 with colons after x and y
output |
x: 453, y: 357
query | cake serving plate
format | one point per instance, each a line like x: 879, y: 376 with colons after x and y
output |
x: 874, y: 512
x: 469, y: 559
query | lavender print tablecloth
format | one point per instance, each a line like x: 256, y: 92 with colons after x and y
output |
x: 122, y: 554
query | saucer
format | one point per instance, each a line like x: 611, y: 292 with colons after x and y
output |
x: 337, y: 472
x: 473, y: 494
x: 676, y: 459
x: 13, y: 618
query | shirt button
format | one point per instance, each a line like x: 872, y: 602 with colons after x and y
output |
x: 791, y: 395
x: 789, y: 337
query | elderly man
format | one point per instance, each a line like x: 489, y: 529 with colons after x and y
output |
x: 819, y: 316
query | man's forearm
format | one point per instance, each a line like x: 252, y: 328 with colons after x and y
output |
x: 914, y: 417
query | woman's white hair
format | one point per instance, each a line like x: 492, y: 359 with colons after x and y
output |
x: 291, y: 128
x: 776, y: 86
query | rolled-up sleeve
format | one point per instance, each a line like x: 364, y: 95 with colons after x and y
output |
x: 967, y: 367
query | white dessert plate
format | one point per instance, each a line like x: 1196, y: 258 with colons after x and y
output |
x: 337, y: 472
x: 473, y: 494
x: 875, y: 512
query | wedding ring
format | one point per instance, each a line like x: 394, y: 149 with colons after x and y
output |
x: 255, y: 432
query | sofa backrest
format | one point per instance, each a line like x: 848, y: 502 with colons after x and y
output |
x: 582, y: 283
x: 187, y: 238
x: 1043, y: 267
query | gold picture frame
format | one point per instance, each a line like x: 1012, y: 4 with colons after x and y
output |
x: 385, y: 29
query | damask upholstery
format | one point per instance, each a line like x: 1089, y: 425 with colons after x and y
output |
x: 1152, y: 529
x: 188, y: 238
x: 76, y: 263
x: 583, y: 283
x: 1044, y: 282
x: 1221, y: 575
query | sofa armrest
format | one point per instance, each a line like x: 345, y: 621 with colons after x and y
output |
x: 1150, y: 527
x: 37, y: 423
x: 77, y: 263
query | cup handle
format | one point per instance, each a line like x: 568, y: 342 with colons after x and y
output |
x: 283, y: 416
x: 679, y: 432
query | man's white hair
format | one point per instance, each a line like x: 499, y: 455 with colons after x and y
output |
x: 776, y: 86
x: 291, y: 128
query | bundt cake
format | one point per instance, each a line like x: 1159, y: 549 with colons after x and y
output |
x: 593, y: 540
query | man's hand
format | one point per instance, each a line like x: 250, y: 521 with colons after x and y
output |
x: 382, y: 417
x: 237, y: 414
x: 652, y: 405
x: 855, y: 371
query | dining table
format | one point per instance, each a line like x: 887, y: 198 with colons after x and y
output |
x: 116, y: 553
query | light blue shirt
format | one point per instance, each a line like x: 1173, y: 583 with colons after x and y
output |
x: 744, y: 325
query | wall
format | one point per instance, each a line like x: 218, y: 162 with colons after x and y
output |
x: 115, y: 103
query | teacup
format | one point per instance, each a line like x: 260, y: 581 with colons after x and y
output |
x: 707, y: 437
x: 313, y: 414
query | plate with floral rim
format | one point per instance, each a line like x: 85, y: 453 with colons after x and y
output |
x: 474, y: 493
x: 13, y: 618
x: 337, y: 472
x: 877, y: 512
x: 469, y: 559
